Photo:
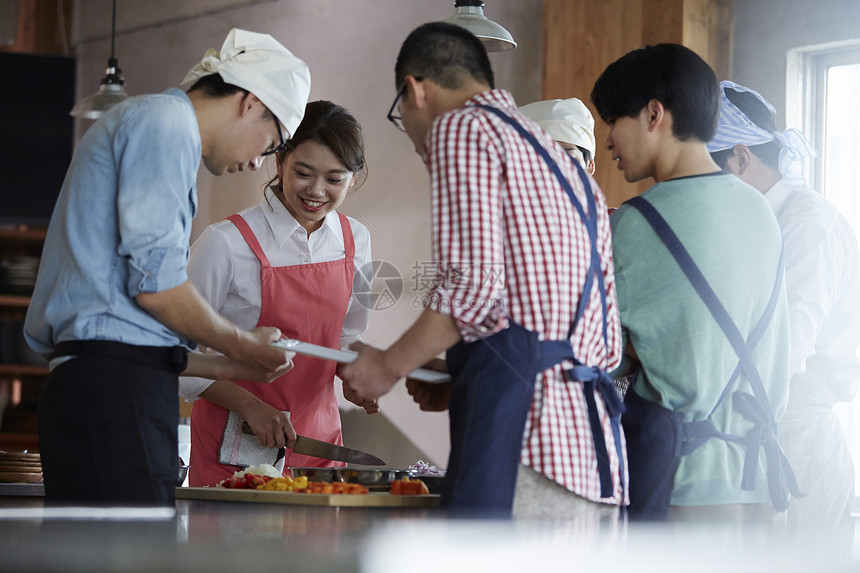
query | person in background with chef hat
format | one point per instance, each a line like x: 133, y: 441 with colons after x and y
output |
x: 113, y: 309
x: 569, y: 123
x: 524, y: 291
x: 293, y: 262
x: 822, y: 278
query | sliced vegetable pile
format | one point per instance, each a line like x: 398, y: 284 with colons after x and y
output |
x: 268, y: 478
x: 297, y: 485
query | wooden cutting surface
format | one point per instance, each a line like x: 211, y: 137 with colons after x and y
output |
x: 373, y: 499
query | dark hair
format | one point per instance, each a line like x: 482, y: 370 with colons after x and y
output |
x: 214, y: 86
x: 669, y: 73
x: 758, y: 113
x: 586, y: 154
x: 444, y: 53
x: 333, y: 126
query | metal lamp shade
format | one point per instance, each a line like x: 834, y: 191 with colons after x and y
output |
x: 469, y: 14
x: 112, y: 88
x: 108, y: 95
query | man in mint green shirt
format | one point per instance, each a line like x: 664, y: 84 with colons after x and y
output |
x: 662, y: 104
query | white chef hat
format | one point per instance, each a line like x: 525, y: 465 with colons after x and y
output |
x: 260, y: 64
x: 566, y: 120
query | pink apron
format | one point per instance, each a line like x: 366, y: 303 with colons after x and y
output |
x: 307, y: 302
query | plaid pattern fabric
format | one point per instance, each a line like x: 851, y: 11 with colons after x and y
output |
x: 509, y: 245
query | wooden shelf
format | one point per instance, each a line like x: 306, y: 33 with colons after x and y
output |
x: 12, y: 300
x: 19, y: 412
x: 12, y: 370
x: 19, y: 441
x: 23, y: 234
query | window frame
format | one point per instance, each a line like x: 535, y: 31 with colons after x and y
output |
x: 806, y: 94
x: 806, y: 98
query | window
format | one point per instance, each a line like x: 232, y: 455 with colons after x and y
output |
x: 823, y: 96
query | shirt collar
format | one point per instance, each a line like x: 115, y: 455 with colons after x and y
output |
x: 495, y: 98
x: 777, y: 195
x: 282, y: 223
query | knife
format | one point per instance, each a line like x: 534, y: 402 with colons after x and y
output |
x: 347, y: 356
x: 319, y: 449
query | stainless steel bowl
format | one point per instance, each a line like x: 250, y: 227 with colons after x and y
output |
x: 183, y: 473
x: 374, y: 479
x: 317, y: 474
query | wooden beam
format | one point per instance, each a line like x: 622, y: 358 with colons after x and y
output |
x: 41, y: 27
x: 582, y: 37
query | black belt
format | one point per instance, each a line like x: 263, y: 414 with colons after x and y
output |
x: 170, y: 358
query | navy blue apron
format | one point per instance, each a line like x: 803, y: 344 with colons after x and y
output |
x: 493, y: 389
x: 657, y: 438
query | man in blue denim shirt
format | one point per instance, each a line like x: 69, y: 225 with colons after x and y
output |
x: 113, y: 309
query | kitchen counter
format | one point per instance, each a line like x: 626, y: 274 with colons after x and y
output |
x: 28, y: 489
x: 201, y: 535
x: 217, y: 536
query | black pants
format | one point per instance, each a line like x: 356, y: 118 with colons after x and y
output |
x: 653, y: 433
x: 108, y: 431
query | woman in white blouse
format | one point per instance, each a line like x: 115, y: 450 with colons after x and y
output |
x: 289, y: 262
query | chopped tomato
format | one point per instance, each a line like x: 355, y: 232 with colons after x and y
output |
x: 234, y: 482
x: 254, y: 480
x: 408, y: 486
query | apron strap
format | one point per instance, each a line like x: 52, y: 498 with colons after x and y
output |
x: 590, y: 221
x: 780, y: 477
x: 554, y: 351
x: 250, y: 238
x: 589, y: 376
x: 593, y: 377
x: 348, y: 239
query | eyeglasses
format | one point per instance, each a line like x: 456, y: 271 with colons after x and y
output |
x: 282, y: 146
x: 397, y: 119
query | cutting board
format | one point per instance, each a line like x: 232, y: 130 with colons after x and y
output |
x: 374, y: 499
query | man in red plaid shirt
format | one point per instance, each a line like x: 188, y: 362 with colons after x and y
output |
x: 524, y: 299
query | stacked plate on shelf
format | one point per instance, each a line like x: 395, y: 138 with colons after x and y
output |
x: 20, y: 275
x: 20, y: 467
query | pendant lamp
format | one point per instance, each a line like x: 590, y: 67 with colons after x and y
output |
x: 112, y: 88
x: 470, y: 15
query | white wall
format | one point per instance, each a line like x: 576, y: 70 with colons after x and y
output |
x: 351, y: 47
x: 765, y: 30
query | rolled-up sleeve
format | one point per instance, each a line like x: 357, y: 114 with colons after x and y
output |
x: 156, y: 198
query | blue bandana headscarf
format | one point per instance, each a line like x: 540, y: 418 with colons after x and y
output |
x: 735, y: 128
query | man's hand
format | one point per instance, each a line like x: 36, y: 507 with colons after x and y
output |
x: 429, y: 397
x: 374, y: 372
x: 256, y: 350
x: 370, y: 406
x: 369, y: 377
x: 183, y: 310
x: 242, y: 372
